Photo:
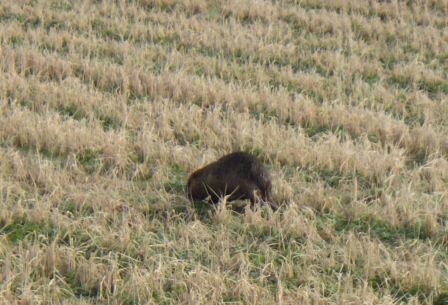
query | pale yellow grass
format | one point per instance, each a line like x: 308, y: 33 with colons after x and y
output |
x: 105, y: 108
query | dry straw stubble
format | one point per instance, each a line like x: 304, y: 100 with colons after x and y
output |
x: 106, y: 107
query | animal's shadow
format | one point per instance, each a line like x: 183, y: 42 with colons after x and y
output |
x: 204, y: 210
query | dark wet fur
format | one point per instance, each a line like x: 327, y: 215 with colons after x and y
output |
x: 238, y: 174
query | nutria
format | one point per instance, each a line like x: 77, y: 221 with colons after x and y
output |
x: 238, y: 175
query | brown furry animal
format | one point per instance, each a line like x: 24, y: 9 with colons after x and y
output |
x: 238, y: 175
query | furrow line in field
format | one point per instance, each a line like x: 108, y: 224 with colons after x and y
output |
x: 419, y: 141
x: 165, y: 27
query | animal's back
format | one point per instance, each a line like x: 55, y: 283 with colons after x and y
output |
x: 238, y: 173
x: 238, y: 162
x: 244, y: 166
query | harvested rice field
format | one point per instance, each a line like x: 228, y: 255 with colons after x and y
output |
x: 106, y: 107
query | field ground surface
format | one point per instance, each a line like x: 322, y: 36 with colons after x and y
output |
x: 106, y: 107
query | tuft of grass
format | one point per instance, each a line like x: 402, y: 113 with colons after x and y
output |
x: 69, y: 207
x: 311, y: 131
x: 109, y: 122
x: 177, y: 177
x: 72, y: 111
x: 105, y: 30
x: 77, y: 288
x: 89, y: 159
x: 384, y: 231
x: 16, y: 41
x: 402, y: 294
x: 401, y: 81
x: 25, y: 229
x: 441, y: 298
x: 433, y: 87
x: 332, y: 178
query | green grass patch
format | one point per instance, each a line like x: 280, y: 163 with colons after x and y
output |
x: 410, y: 49
x: 433, y: 87
x: 382, y: 230
x: 62, y: 49
x: 310, y: 65
x: 15, y: 40
x: 245, y: 18
x: 82, y: 240
x: 89, y: 159
x: 113, y: 56
x: 105, y: 30
x: 400, y: 81
x: 374, y: 138
x: 413, y: 117
x: 417, y: 156
x: 177, y: 179
x: 232, y: 299
x: 332, y: 178
x: 265, y: 115
x: 109, y: 122
x: 204, y: 210
x: 72, y: 111
x: 388, y: 60
x: 160, y: 6
x: 55, y: 24
x: 441, y: 298
x: 26, y: 229
x: 47, y: 153
x: 403, y: 294
x: 171, y: 293
x: 313, y: 130
x: 69, y: 207
x: 371, y: 78
x: 77, y: 288
x: 62, y: 5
